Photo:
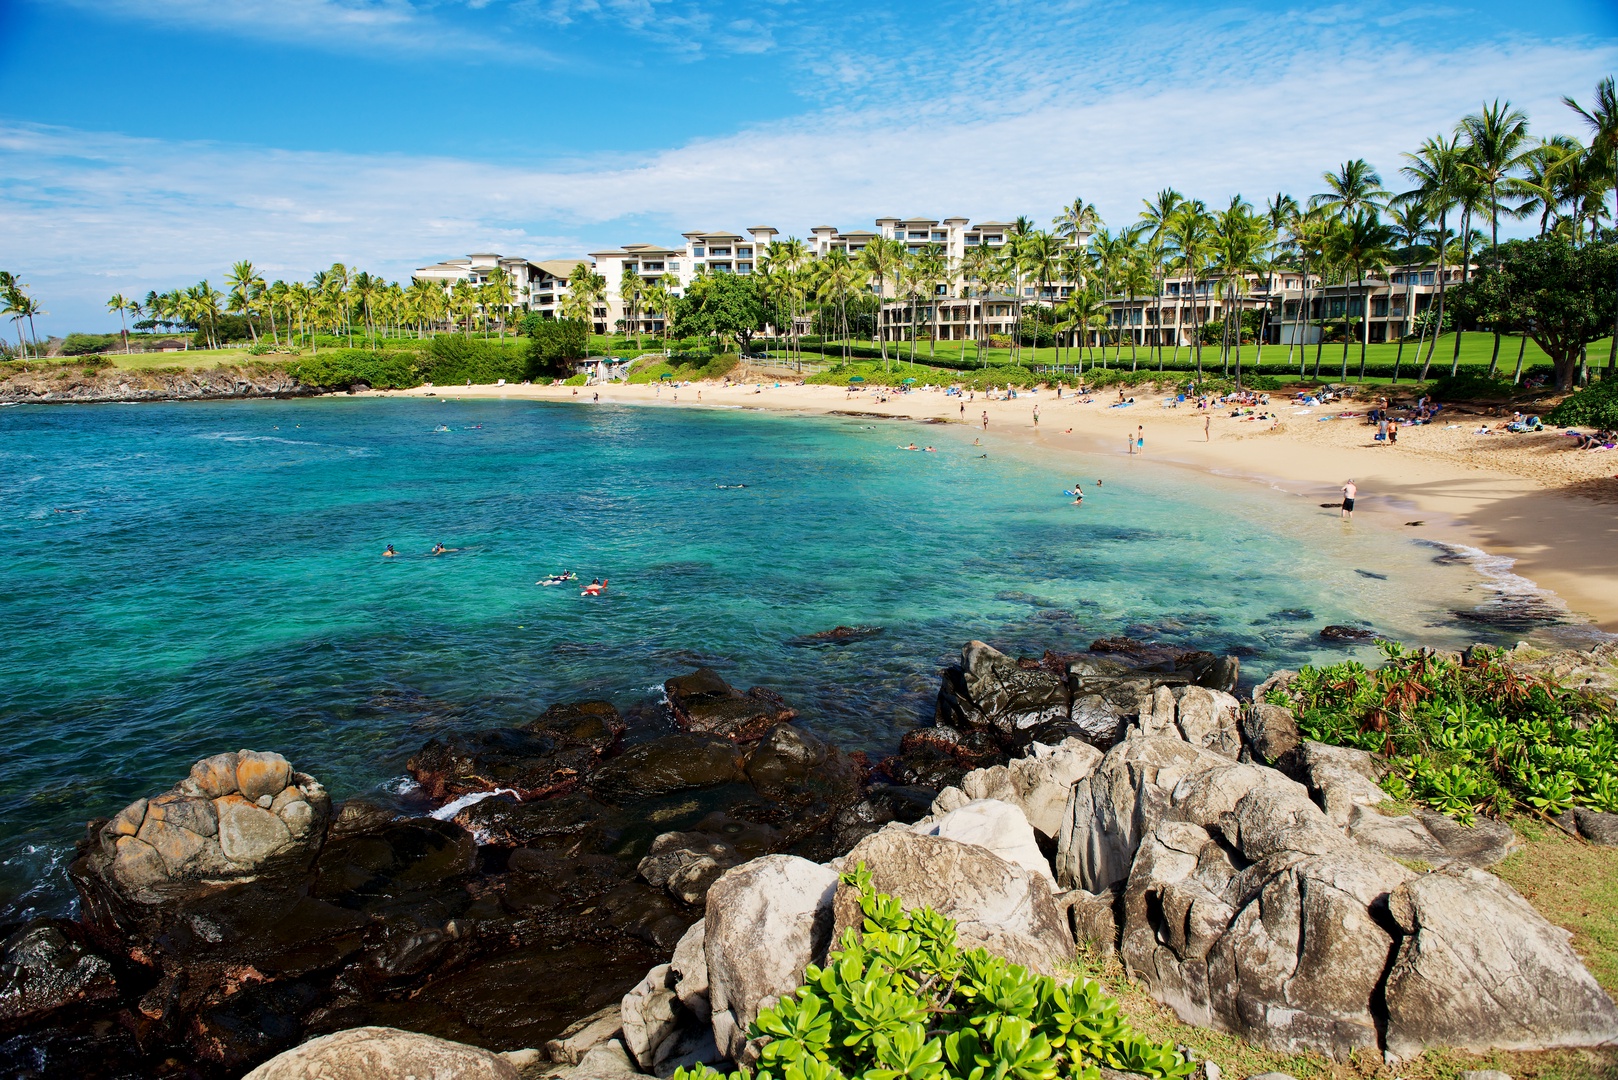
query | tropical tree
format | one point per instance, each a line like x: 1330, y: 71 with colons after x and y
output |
x: 335, y: 286
x: 245, y: 286
x: 1354, y: 186
x: 1042, y: 255
x: 1435, y: 171
x: 1602, y: 119
x: 884, y: 258
x: 1190, y: 233
x: 121, y: 305
x: 1409, y: 222
x: 1495, y: 139
x: 1361, y: 242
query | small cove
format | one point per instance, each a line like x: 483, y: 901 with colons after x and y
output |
x: 189, y: 578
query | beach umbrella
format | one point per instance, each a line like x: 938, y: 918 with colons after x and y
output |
x: 666, y: 375
x: 856, y: 378
x: 910, y: 382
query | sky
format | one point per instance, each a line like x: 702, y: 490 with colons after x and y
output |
x: 147, y: 144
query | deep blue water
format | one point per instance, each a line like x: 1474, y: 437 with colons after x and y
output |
x: 183, y: 579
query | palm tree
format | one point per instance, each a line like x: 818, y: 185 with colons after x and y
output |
x: 335, y: 285
x: 1355, y: 185
x: 1602, y: 119
x: 119, y: 304
x: 1495, y: 139
x: 1409, y: 223
x: 882, y: 258
x: 1043, y: 257
x: 1135, y: 276
x: 978, y: 266
x: 1361, y: 242
x: 1189, y: 231
x: 1435, y: 170
x: 245, y: 286
x: 630, y: 290
x: 1156, y: 216
x: 1542, y: 184
x: 14, y: 297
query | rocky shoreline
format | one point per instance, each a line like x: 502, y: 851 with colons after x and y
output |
x: 64, y: 385
x: 626, y: 891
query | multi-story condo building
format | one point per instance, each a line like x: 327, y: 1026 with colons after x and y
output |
x: 535, y: 286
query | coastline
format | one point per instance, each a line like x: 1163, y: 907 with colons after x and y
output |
x: 1527, y: 498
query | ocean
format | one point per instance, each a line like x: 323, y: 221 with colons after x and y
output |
x: 188, y: 578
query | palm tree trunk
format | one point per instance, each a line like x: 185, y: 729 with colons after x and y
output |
x: 1522, y: 349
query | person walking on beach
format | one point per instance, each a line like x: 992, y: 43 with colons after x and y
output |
x: 1207, y: 425
x: 1036, y: 417
x: 1350, y: 493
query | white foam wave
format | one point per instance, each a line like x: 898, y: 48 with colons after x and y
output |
x: 401, y: 785
x: 455, y: 806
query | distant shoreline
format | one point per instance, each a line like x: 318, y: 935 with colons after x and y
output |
x: 1553, y: 511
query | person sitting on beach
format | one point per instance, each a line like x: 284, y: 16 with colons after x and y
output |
x: 389, y: 553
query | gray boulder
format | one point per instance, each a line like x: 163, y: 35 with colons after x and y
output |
x: 582, y: 1036
x: 1479, y: 968
x: 1597, y: 827
x: 648, y: 1014
x: 1207, y: 720
x: 1425, y: 836
x: 382, y: 1053
x: 1269, y: 731
x: 997, y: 826
x: 1037, y: 783
x: 687, y: 864
x: 996, y: 904
x: 1339, y: 777
x: 608, y: 1061
x: 767, y: 920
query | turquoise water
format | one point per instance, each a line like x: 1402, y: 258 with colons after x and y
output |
x: 183, y: 579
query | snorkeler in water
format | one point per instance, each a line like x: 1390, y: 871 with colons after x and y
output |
x: 439, y: 549
x: 389, y: 553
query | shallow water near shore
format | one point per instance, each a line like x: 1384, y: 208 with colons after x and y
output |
x: 184, y: 579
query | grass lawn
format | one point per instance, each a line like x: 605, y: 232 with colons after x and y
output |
x: 191, y: 358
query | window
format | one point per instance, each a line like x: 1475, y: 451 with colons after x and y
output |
x: 718, y: 252
x: 744, y: 253
x: 1426, y: 277
x: 1379, y: 306
x: 696, y: 252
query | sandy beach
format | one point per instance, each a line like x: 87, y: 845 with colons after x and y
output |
x: 1530, y: 497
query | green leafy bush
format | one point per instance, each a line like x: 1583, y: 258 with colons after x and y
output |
x: 577, y: 380
x: 85, y: 344
x: 901, y: 1001
x: 649, y: 369
x: 452, y: 358
x: 553, y: 342
x: 1595, y: 406
x: 1465, y: 738
x: 337, y: 369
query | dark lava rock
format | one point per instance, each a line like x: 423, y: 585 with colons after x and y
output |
x: 676, y: 763
x: 784, y: 755
x: 704, y: 702
x: 548, y: 755
x: 46, y: 966
x: 1596, y: 827
x: 573, y: 821
x: 1118, y: 645
x: 1352, y: 634
x: 838, y: 635
x: 989, y: 690
x: 882, y: 804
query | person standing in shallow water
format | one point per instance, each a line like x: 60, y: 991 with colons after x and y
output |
x: 1140, y: 439
x: 1351, y: 492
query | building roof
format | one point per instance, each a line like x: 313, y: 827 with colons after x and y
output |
x: 761, y: 228
x: 561, y: 268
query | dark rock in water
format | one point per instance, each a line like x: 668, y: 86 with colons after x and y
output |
x: 573, y: 821
x: 703, y: 702
x: 1117, y: 645
x: 86, y: 1050
x: 784, y: 755
x: 548, y: 755
x: 1372, y: 574
x: 675, y: 763
x: 1513, y: 612
x: 46, y: 966
x: 839, y: 635
x: 992, y: 691
x: 1353, y: 634
x: 882, y: 804
x: 687, y: 863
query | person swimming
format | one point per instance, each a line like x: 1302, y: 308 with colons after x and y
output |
x: 1078, y: 493
x: 595, y: 588
x: 439, y: 549
x: 389, y: 553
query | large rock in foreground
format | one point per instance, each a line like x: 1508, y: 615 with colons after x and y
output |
x: 767, y: 920
x: 996, y: 904
x: 382, y: 1053
x: 1479, y: 968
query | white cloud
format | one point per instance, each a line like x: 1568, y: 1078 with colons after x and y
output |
x: 84, y: 214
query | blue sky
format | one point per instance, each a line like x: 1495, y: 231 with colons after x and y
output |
x: 149, y: 143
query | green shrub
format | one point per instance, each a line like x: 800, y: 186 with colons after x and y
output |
x: 1595, y: 406
x: 1478, y: 737
x: 85, y: 344
x: 553, y: 342
x: 576, y: 380
x: 901, y: 1001
x: 453, y: 358
x: 342, y: 368
x: 651, y: 369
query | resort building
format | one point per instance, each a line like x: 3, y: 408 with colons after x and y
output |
x: 535, y: 286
